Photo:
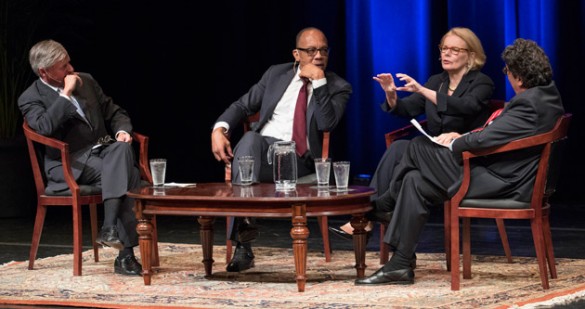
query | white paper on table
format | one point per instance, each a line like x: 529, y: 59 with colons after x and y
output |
x: 420, y: 128
x: 181, y: 185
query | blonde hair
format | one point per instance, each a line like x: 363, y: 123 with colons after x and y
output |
x: 473, y: 44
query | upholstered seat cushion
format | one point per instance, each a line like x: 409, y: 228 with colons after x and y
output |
x: 83, y: 189
x: 494, y: 203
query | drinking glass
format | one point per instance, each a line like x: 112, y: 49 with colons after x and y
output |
x: 323, y: 170
x: 341, y: 171
x: 246, y: 167
x: 158, y: 169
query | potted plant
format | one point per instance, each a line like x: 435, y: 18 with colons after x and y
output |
x: 16, y: 180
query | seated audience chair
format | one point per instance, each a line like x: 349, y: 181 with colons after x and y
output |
x: 408, y: 131
x: 76, y: 196
x: 537, y: 210
x: 311, y: 178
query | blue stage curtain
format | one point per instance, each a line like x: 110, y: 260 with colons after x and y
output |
x: 402, y: 37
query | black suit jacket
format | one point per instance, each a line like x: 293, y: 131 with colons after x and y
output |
x: 511, y: 175
x: 324, y: 112
x: 52, y: 115
x: 466, y: 109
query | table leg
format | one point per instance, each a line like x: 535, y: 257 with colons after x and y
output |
x: 358, y: 222
x: 145, y: 229
x: 206, y: 230
x: 155, y: 257
x: 299, y: 233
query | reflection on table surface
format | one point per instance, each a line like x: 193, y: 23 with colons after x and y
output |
x: 260, y: 190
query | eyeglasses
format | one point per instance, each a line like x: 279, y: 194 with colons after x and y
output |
x: 454, y: 50
x: 505, y: 70
x: 313, y: 51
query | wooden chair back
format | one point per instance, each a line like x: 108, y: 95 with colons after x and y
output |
x: 75, y: 196
x: 537, y: 210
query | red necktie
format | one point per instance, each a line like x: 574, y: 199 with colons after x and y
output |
x: 299, y: 135
x: 493, y: 116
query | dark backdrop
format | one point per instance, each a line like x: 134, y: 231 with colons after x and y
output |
x: 176, y: 65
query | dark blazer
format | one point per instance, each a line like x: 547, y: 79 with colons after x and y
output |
x: 511, y: 175
x: 52, y: 115
x: 463, y: 111
x: 324, y: 112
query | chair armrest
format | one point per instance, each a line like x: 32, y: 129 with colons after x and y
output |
x: 63, y: 148
x: 558, y: 132
x: 402, y: 132
x: 143, y: 164
x: 546, y: 139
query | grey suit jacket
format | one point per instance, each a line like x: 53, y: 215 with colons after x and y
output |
x: 52, y: 115
x: 323, y: 114
x: 511, y: 175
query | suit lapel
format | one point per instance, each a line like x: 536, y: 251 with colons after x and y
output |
x: 51, y: 95
x: 464, y: 84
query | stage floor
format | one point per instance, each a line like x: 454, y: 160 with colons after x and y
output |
x: 568, y: 231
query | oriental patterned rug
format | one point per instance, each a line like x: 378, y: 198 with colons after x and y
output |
x: 180, y: 283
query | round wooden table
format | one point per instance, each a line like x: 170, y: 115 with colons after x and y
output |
x: 210, y: 200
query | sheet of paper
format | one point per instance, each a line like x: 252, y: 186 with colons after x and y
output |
x: 420, y: 128
x: 182, y: 185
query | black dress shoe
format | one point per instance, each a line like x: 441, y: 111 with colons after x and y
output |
x: 380, y: 277
x: 242, y: 260
x: 109, y: 237
x: 127, y: 266
x: 340, y: 233
x: 347, y: 236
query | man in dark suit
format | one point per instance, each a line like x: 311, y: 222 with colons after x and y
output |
x: 275, y: 96
x: 429, y: 173
x: 72, y: 107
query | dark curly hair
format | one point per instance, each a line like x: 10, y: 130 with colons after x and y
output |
x: 528, y: 62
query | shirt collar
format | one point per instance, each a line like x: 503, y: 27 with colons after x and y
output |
x: 51, y: 86
x: 298, y: 76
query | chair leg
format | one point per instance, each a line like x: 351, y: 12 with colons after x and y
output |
x: 94, y: 231
x: 324, y: 227
x: 229, y: 222
x: 504, y: 238
x: 454, y: 252
x: 447, y: 232
x: 77, y: 239
x: 550, y: 254
x: 466, y: 240
x: 384, y: 247
x: 539, y: 246
x: 38, y: 230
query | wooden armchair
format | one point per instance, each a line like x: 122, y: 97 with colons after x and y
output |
x: 311, y: 178
x: 76, y: 196
x: 409, y: 131
x: 537, y: 210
